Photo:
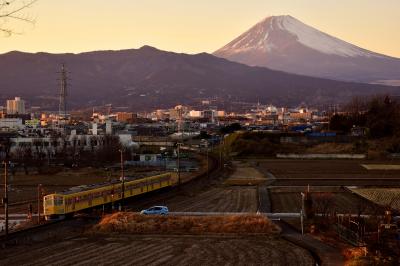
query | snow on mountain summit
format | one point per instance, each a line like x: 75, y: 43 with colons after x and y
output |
x: 319, y: 40
x: 260, y: 37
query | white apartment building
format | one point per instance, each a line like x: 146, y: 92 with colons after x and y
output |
x: 11, y: 123
x: 16, y: 106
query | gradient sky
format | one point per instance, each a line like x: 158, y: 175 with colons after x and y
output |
x: 193, y: 26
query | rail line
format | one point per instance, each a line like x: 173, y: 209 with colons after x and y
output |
x: 155, y: 196
x: 18, y: 233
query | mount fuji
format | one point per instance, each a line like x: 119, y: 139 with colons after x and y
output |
x: 285, y: 43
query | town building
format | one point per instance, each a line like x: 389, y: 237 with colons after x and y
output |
x: 125, y: 117
x: 11, y: 123
x: 16, y: 106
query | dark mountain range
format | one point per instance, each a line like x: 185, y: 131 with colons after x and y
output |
x: 285, y: 43
x: 148, y: 78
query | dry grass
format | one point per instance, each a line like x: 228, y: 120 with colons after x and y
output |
x: 389, y: 197
x: 141, y: 224
x: 381, y: 166
x: 331, y: 148
x: 355, y: 256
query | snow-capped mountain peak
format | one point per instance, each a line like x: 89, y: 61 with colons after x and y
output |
x: 260, y: 37
x: 285, y: 43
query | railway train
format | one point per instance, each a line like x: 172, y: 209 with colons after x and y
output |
x: 66, y: 203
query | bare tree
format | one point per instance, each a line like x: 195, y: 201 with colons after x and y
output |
x: 324, y: 203
x: 14, y: 11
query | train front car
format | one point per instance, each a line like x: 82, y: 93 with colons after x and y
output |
x: 75, y: 199
x: 54, y: 207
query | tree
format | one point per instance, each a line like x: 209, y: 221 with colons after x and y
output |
x: 14, y: 10
x: 230, y: 128
x: 323, y: 203
x: 383, y: 117
x: 108, y: 149
x: 380, y: 114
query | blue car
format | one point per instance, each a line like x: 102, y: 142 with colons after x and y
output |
x: 156, y: 210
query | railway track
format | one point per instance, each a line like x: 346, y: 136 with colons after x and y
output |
x: 21, y: 207
x: 149, y: 198
x: 189, y: 186
x: 12, y: 236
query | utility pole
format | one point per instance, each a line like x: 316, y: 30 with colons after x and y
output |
x: 221, y: 147
x: 179, y: 165
x: 302, y: 212
x: 39, y: 190
x: 220, y: 154
x: 5, y: 200
x: 122, y: 177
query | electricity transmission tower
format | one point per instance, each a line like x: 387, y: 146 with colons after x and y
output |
x: 62, y: 109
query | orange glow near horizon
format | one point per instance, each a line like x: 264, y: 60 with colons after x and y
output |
x: 196, y: 26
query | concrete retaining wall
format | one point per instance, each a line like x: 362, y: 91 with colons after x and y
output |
x: 320, y: 156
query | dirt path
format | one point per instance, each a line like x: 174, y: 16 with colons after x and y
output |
x: 327, y: 254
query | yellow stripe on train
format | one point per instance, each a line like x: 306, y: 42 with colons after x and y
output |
x: 61, y: 204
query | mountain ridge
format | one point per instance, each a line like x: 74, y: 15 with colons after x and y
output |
x: 149, y: 78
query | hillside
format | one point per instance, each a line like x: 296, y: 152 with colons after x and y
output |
x: 150, y: 78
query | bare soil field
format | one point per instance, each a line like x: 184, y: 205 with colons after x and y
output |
x: 245, y: 174
x: 328, y: 172
x: 159, y: 250
x: 214, y: 199
x: 343, y: 202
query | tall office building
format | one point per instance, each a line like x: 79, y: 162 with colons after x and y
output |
x: 16, y: 106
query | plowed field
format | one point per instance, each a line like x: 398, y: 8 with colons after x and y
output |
x: 160, y: 250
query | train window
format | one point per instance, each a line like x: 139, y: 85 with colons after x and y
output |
x: 49, y: 201
x: 58, y: 201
